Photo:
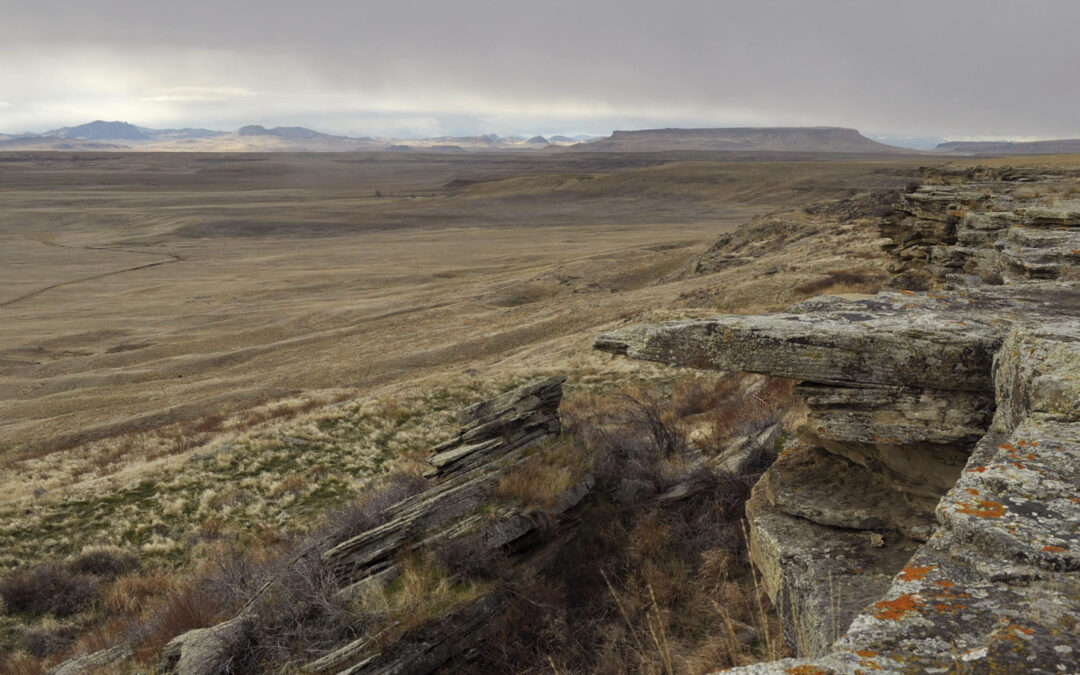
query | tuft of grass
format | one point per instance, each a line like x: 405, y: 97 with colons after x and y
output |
x: 425, y: 590
x: 839, y: 282
x: 551, y: 470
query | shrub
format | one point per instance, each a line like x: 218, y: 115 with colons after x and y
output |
x: 843, y: 281
x: 469, y: 557
x: 372, y: 510
x: 43, y: 641
x: 107, y: 563
x: 48, y: 588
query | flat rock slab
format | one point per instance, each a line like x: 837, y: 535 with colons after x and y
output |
x: 897, y: 415
x: 926, y: 341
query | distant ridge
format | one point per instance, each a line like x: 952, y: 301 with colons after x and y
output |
x: 100, y: 130
x: 117, y: 136
x: 747, y: 139
x: 1054, y: 147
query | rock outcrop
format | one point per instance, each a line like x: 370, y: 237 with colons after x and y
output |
x: 496, y: 436
x: 929, y: 520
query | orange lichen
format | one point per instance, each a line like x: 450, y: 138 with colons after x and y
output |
x: 806, y: 670
x: 907, y: 292
x: 985, y: 509
x: 1007, y: 446
x: 916, y: 573
x: 866, y: 653
x: 972, y: 491
x: 894, y: 610
x: 944, y: 583
x: 978, y: 469
x: 1054, y: 549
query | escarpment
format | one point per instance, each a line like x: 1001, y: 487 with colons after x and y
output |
x: 931, y: 515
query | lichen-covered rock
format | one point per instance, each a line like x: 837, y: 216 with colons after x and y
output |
x: 1037, y: 373
x: 901, y: 389
x: 818, y: 577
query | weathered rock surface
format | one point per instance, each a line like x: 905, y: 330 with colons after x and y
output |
x: 92, y: 663
x: 825, y: 488
x: 818, y: 577
x: 957, y: 408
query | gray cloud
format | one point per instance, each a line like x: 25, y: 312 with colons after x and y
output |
x: 956, y: 68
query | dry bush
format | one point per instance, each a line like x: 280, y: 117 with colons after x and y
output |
x: 131, y: 593
x: 23, y: 663
x: 104, y: 562
x: 425, y: 590
x: 48, y: 588
x: 45, y: 641
x: 469, y: 557
x: 702, y: 394
x: 838, y: 282
x: 192, y: 605
x: 551, y: 470
x: 372, y: 510
x: 300, y: 617
x: 209, y: 424
x: 649, y: 586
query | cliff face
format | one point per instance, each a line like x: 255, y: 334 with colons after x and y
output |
x: 931, y: 515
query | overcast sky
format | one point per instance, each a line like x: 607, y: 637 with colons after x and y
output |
x: 953, y: 69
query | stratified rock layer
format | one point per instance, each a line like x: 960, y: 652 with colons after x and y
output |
x: 496, y: 436
x: 949, y: 417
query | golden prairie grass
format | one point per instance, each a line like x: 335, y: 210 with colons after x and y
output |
x: 551, y: 470
x: 425, y: 590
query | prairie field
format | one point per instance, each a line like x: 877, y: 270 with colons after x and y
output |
x: 197, y: 349
x: 142, y: 290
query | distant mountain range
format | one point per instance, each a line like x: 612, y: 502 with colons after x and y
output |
x: 123, y: 136
x: 1057, y: 147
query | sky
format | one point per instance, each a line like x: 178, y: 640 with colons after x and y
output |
x: 895, y: 69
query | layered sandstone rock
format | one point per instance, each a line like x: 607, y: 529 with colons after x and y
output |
x: 930, y: 518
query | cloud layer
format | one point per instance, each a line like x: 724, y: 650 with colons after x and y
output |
x: 971, y: 68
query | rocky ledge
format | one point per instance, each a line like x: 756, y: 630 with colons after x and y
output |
x: 930, y: 518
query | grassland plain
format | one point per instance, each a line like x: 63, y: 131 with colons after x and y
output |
x: 205, y: 348
x: 139, y: 291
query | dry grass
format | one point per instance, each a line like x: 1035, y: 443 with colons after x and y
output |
x: 425, y: 590
x: 552, y: 469
x: 839, y: 282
